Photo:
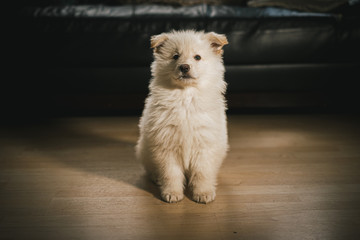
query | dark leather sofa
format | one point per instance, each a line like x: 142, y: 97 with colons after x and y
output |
x: 95, y: 58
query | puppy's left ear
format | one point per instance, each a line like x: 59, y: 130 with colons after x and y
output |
x: 217, y: 41
x: 157, y: 41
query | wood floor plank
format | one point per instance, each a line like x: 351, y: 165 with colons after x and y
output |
x: 285, y: 177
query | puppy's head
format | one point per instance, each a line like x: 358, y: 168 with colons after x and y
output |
x: 183, y: 58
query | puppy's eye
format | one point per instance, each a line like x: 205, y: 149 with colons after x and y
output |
x: 197, y: 57
x: 176, y: 57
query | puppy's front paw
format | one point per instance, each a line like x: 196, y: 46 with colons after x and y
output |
x: 204, y: 197
x: 172, y: 197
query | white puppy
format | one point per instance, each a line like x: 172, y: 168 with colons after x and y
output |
x: 183, y: 129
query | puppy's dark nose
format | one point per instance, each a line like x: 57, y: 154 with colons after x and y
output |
x: 184, y: 68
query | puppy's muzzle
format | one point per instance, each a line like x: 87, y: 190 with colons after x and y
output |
x: 184, y: 68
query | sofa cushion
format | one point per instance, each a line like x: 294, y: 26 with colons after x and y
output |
x: 301, y: 5
x: 97, y: 35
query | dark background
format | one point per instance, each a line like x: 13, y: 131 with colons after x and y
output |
x: 66, y: 58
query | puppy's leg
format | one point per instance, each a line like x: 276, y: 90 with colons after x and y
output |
x: 171, y: 180
x: 144, y: 155
x: 151, y: 171
x: 202, y: 181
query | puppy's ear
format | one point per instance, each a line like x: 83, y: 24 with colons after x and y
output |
x: 217, y: 41
x: 157, y: 41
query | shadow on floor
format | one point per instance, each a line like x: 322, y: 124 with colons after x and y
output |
x: 100, y: 146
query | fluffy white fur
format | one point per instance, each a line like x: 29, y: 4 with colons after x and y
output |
x: 183, y: 129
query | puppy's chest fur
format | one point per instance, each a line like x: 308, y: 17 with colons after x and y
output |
x: 182, y: 121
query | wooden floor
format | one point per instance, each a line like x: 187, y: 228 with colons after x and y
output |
x: 286, y: 177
